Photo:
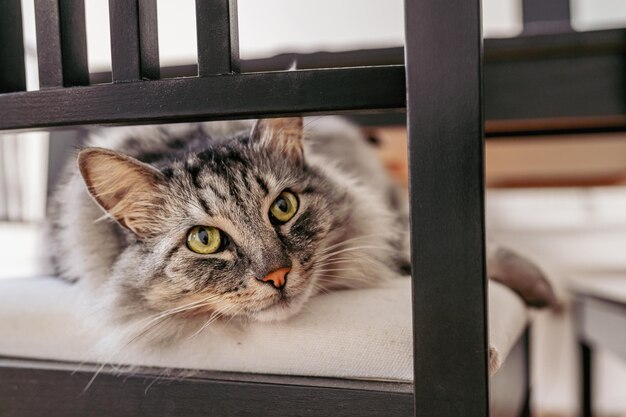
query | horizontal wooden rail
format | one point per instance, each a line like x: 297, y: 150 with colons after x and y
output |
x: 205, y: 98
x: 60, y: 389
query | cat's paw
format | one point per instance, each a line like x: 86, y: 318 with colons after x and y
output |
x: 522, y: 276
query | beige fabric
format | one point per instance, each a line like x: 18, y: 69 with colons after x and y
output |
x: 348, y: 334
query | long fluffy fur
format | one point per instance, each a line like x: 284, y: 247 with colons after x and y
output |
x: 348, y: 232
x: 121, y: 236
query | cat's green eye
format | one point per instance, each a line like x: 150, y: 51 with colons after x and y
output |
x: 284, y: 207
x: 204, y: 240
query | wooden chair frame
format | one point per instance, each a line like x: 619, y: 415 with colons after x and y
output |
x: 439, y: 85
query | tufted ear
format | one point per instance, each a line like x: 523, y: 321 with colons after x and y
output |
x: 283, y: 135
x: 123, y: 186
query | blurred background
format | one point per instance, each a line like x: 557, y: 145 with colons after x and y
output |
x: 557, y: 195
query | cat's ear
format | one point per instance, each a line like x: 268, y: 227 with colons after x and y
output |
x: 282, y: 135
x: 123, y: 186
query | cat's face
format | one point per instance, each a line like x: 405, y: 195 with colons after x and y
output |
x: 238, y: 229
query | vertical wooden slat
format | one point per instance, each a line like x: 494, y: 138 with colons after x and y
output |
x: 444, y: 105
x: 12, y: 69
x: 218, y: 43
x: 527, y: 406
x: 546, y: 16
x: 61, y: 43
x: 73, y: 42
x: 149, y: 40
x: 134, y: 40
x: 49, y: 56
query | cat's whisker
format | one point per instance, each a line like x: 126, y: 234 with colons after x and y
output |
x: 324, y: 278
x: 232, y: 316
x: 93, y: 378
x: 310, y: 122
x: 346, y: 285
x: 319, y: 289
x: 161, y: 318
x: 323, y: 272
x: 175, y: 309
x: 106, y: 361
x: 179, y: 309
x: 304, y: 126
x: 212, y: 318
x: 343, y: 276
x: 355, y: 248
x: 161, y: 375
x: 347, y: 241
x: 351, y: 252
x: 354, y: 259
x: 239, y: 310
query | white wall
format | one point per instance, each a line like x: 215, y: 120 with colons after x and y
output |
x: 268, y: 27
x: 598, y: 14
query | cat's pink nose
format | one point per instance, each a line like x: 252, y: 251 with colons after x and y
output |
x: 278, y: 277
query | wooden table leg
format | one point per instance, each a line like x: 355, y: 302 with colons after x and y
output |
x: 586, y: 380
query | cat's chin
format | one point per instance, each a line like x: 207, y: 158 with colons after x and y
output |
x: 282, y: 310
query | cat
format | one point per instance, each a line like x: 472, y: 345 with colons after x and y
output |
x: 169, y: 227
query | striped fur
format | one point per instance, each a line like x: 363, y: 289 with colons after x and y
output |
x: 120, y: 228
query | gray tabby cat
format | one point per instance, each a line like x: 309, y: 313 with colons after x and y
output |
x: 172, y: 226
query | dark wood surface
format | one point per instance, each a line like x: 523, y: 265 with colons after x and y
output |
x: 149, y: 40
x: 33, y: 388
x: 12, y: 70
x: 554, y: 127
x: 218, y: 40
x: 61, y: 43
x: 546, y: 16
x: 574, y: 79
x: 556, y: 84
x: 446, y: 188
x: 49, y: 55
x: 557, y: 79
x: 73, y: 42
x: 586, y: 378
x: 134, y: 40
x: 204, y: 98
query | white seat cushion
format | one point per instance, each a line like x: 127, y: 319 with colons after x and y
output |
x: 363, y: 334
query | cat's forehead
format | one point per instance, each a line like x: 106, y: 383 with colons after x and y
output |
x: 232, y: 196
x: 224, y: 180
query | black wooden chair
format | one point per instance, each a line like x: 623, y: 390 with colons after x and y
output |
x: 440, y: 86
